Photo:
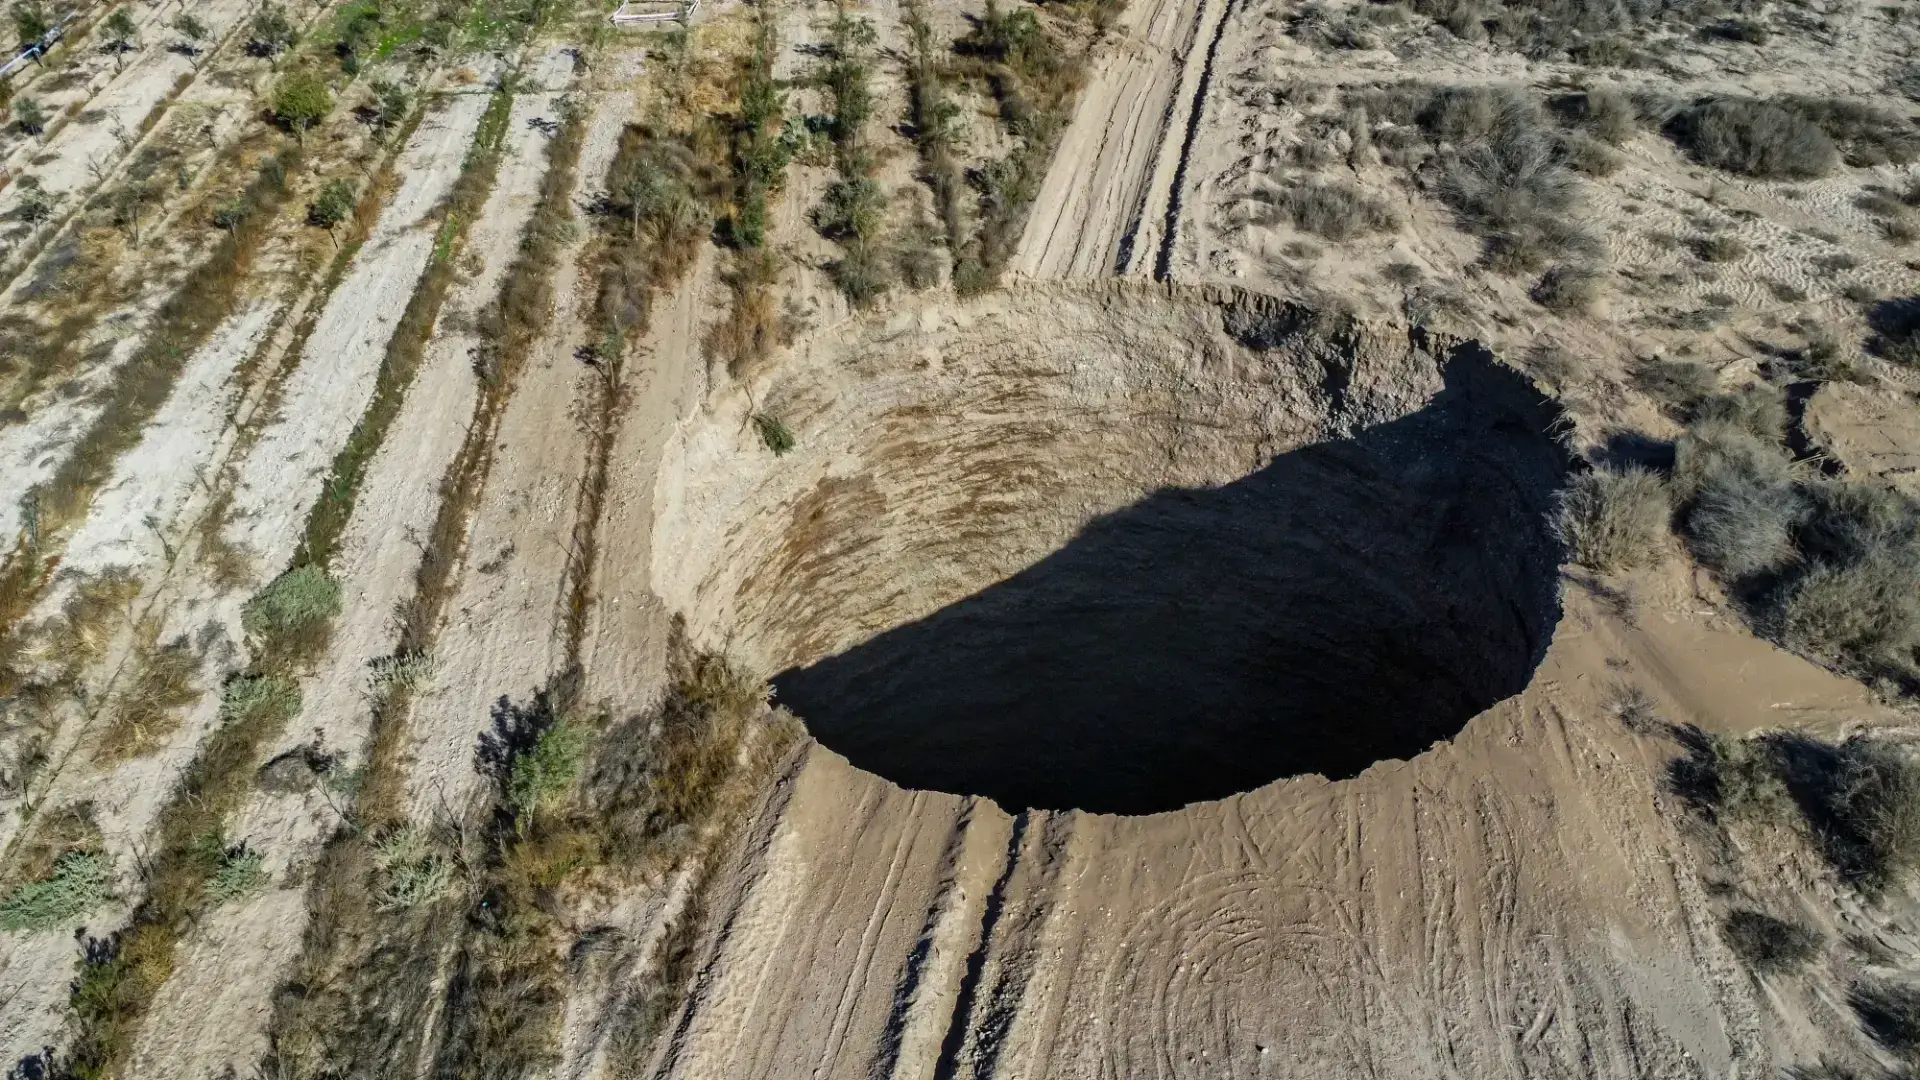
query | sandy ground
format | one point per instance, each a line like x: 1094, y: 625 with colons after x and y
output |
x: 135, y: 512
x: 1527, y: 899
x: 1106, y: 216
x: 503, y: 637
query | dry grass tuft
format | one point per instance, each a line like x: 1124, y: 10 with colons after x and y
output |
x: 148, y: 709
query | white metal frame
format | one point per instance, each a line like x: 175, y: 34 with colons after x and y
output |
x: 642, y: 12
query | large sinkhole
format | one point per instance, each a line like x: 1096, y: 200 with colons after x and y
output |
x: 1129, y: 560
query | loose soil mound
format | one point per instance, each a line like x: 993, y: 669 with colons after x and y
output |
x: 1125, y: 550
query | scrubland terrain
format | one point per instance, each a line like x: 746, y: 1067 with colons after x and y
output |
x: 1099, y: 538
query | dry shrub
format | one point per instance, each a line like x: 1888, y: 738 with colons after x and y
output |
x: 1568, y: 290
x: 1740, y: 501
x: 1767, y: 944
x: 1754, y: 138
x: 148, y: 709
x: 1890, y: 1012
x: 1336, y: 210
x: 1852, y: 602
x: 1505, y: 174
x: 1719, y: 248
x: 1824, y: 567
x: 1896, y: 331
x: 1613, y: 520
x: 754, y: 328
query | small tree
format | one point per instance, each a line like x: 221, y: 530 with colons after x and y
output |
x: 120, y: 31
x: 389, y: 103
x: 31, y: 117
x: 334, y: 205
x: 301, y: 101
x: 30, y: 22
x: 192, y: 32
x: 35, y: 205
x: 271, y: 33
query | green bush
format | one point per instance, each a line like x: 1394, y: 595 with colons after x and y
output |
x: 270, y: 33
x: 250, y: 698
x: 413, y: 868
x: 30, y: 22
x: 81, y: 881
x: 774, y: 433
x: 301, y: 101
x: 292, y: 604
x: 240, y: 873
x: 1613, y: 520
x: 541, y: 775
x: 29, y: 116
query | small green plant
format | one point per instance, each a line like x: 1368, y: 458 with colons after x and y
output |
x: 1767, y: 944
x: 81, y: 881
x: 248, y: 698
x: 35, y: 205
x: 333, y: 205
x: 402, y: 673
x: 414, y: 869
x: 192, y: 31
x: 390, y: 104
x: 301, y: 101
x: 292, y: 603
x: 239, y: 873
x: 541, y: 775
x: 1613, y: 520
x: 29, y: 116
x: 774, y: 433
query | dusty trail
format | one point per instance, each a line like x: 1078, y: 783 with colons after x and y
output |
x: 324, y: 397
x: 1105, y: 214
x: 624, y: 652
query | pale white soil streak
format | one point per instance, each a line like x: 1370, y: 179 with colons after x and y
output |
x: 504, y: 634
x: 196, y: 1034
x: 1091, y: 218
x: 137, y: 509
x: 325, y: 396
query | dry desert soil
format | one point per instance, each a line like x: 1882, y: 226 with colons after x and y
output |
x: 960, y: 540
